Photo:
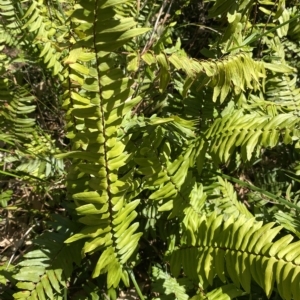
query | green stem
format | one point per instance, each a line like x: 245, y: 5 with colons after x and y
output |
x: 65, y: 294
x: 131, y: 274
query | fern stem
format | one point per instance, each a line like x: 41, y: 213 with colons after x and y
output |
x: 138, y: 290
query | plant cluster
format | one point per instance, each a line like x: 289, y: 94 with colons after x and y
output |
x: 173, y: 172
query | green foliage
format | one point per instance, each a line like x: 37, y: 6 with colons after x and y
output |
x: 247, y: 250
x: 226, y: 292
x: 45, y: 272
x: 157, y: 137
x: 166, y: 285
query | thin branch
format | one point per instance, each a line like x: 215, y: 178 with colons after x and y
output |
x: 20, y: 243
x: 151, y: 40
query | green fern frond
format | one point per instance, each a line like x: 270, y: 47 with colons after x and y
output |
x: 10, y: 25
x: 168, y: 178
x: 284, y: 93
x: 45, y: 273
x: 233, y: 73
x: 35, y: 280
x: 292, y: 50
x: 165, y: 285
x: 294, y: 28
x: 97, y: 99
x: 243, y: 250
x: 194, y: 209
x: 32, y: 152
x: 44, y: 30
x: 221, y: 8
x: 224, y: 200
x: 281, y: 96
x: 289, y: 222
x: 248, y: 132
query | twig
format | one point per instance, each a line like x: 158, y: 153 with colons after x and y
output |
x: 151, y: 40
x: 105, y: 296
x: 168, y: 12
x: 201, y: 27
x: 20, y: 243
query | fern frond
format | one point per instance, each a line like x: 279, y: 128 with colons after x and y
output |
x: 289, y: 222
x: 45, y: 273
x: 233, y: 73
x: 224, y: 200
x: 248, y: 132
x: 97, y: 98
x: 281, y: 96
x: 243, y: 250
x: 37, y: 158
x: 221, y: 8
x: 10, y: 27
x: 168, y: 178
x: 157, y: 168
x: 35, y: 280
x: 194, y: 209
x: 292, y: 51
x: 294, y: 28
x: 43, y: 30
x: 166, y: 285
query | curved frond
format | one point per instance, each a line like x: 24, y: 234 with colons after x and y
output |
x: 43, y: 28
x: 233, y: 73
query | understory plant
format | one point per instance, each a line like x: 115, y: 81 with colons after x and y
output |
x: 180, y: 166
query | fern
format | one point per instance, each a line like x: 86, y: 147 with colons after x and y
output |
x: 169, y: 284
x: 225, y: 200
x: 45, y: 273
x: 149, y: 129
x: 44, y: 32
x: 250, y: 131
x: 240, y: 71
x: 104, y: 97
x: 240, y: 250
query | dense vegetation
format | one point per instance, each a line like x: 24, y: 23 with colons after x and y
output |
x: 150, y: 149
